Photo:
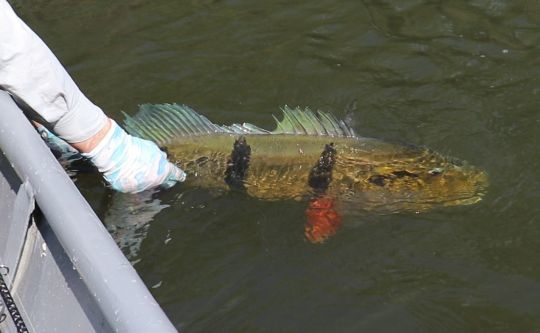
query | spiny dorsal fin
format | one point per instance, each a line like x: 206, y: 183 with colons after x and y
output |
x: 306, y: 122
x: 162, y: 123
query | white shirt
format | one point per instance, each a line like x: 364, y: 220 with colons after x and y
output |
x: 29, y: 70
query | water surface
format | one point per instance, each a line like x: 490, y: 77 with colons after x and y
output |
x: 461, y: 77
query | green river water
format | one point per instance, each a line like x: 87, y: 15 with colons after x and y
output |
x: 461, y: 77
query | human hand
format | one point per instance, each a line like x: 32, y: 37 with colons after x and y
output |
x: 131, y: 164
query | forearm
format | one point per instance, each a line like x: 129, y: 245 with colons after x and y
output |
x: 29, y: 70
x: 89, y: 144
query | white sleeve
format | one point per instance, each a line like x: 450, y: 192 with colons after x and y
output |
x: 29, y: 70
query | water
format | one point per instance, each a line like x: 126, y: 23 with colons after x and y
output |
x: 461, y: 77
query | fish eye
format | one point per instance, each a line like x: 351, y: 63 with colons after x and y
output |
x: 435, y: 171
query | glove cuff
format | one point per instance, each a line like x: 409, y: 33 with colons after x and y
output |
x: 102, y: 156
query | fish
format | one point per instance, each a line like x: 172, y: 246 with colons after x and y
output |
x: 311, y: 156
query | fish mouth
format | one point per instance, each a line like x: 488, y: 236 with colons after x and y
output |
x: 475, y: 188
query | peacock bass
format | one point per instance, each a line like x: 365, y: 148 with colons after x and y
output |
x: 309, y: 156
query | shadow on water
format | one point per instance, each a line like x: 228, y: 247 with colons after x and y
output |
x: 460, y: 77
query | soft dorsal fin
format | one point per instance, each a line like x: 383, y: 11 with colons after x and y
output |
x: 162, y: 123
x: 306, y: 122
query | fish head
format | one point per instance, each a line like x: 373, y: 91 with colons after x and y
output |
x: 449, y: 181
x: 416, y: 179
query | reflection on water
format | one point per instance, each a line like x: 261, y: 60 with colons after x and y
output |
x: 128, y: 218
x: 460, y: 77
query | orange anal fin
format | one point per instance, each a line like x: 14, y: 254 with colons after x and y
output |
x: 323, y: 220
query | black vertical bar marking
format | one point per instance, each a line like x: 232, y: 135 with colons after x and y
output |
x: 320, y: 175
x: 238, y: 164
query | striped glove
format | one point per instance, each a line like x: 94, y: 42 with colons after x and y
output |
x: 131, y: 164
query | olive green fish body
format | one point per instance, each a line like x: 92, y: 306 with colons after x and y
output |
x: 365, y: 173
x: 279, y: 165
